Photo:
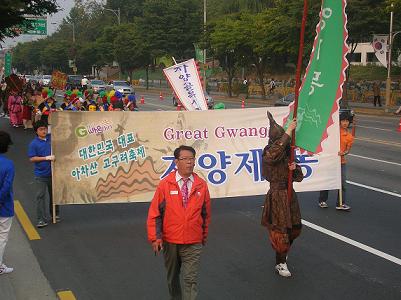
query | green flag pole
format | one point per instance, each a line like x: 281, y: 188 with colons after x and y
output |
x: 297, y: 87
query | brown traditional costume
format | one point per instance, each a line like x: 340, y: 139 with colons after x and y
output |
x: 283, y: 220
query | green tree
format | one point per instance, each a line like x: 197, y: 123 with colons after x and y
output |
x: 227, y: 47
x: 54, y: 56
x: 171, y: 27
x: 129, y: 50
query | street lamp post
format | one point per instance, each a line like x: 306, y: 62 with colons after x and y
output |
x: 117, y: 12
x: 73, y: 42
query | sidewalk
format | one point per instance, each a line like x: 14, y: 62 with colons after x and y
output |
x: 359, y: 108
x: 27, y: 282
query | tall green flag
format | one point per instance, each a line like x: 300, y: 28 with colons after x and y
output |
x: 199, y: 54
x: 7, y: 64
x: 322, y: 86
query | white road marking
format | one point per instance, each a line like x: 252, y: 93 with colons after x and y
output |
x: 374, y: 189
x: 353, y: 243
x: 377, y: 117
x: 374, y: 159
x: 369, y: 140
x: 359, y: 126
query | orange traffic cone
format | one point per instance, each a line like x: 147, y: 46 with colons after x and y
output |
x: 399, y: 127
x: 243, y: 103
x: 142, y: 100
x: 179, y: 105
x: 161, y: 96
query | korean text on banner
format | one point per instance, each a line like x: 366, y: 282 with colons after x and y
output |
x: 322, y: 86
x: 106, y: 157
x: 185, y: 81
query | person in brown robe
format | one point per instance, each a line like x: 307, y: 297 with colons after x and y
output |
x: 282, y: 219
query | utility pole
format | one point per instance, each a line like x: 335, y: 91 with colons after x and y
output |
x: 74, y: 47
x: 388, y: 82
x: 117, y: 12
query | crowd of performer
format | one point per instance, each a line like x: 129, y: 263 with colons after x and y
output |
x: 34, y: 102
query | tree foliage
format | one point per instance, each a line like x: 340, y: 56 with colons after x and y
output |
x: 259, y: 35
x: 13, y: 12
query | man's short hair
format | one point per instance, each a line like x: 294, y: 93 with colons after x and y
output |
x: 181, y: 148
x: 5, y: 141
x: 38, y: 124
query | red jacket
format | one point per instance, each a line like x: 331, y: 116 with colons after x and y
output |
x: 170, y: 221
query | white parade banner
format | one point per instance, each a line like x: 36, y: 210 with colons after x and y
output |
x: 185, y: 81
x: 121, y: 156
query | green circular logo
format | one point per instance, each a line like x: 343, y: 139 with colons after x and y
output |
x: 81, y: 131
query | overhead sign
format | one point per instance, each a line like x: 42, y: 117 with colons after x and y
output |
x: 33, y: 25
x: 185, y: 81
x: 107, y: 157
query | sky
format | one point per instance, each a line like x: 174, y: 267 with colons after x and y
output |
x: 65, y: 5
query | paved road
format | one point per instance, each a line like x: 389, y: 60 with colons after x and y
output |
x: 100, y: 251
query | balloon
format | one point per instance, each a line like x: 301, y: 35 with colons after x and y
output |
x: 102, y: 93
x: 111, y: 93
x: 118, y: 94
x: 68, y: 93
x: 50, y: 93
x: 131, y: 98
x: 79, y: 94
x: 219, y: 105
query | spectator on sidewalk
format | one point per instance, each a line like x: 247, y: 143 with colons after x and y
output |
x: 346, y: 140
x: 7, y: 172
x: 40, y: 154
x: 272, y: 86
x: 376, y: 93
x: 178, y: 222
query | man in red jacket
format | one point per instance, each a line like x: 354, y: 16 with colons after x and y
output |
x: 178, y: 222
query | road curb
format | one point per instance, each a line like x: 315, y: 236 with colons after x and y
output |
x: 27, y: 281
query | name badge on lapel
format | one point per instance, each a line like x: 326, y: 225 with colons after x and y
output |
x: 173, y: 192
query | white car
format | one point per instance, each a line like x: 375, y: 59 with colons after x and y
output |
x: 46, y: 80
x: 122, y: 86
x: 97, y: 85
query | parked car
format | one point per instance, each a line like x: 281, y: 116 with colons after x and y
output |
x: 46, y: 80
x: 97, y: 85
x: 209, y: 100
x: 34, y: 79
x: 28, y: 77
x: 122, y: 86
x: 285, y: 101
x: 74, y: 81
